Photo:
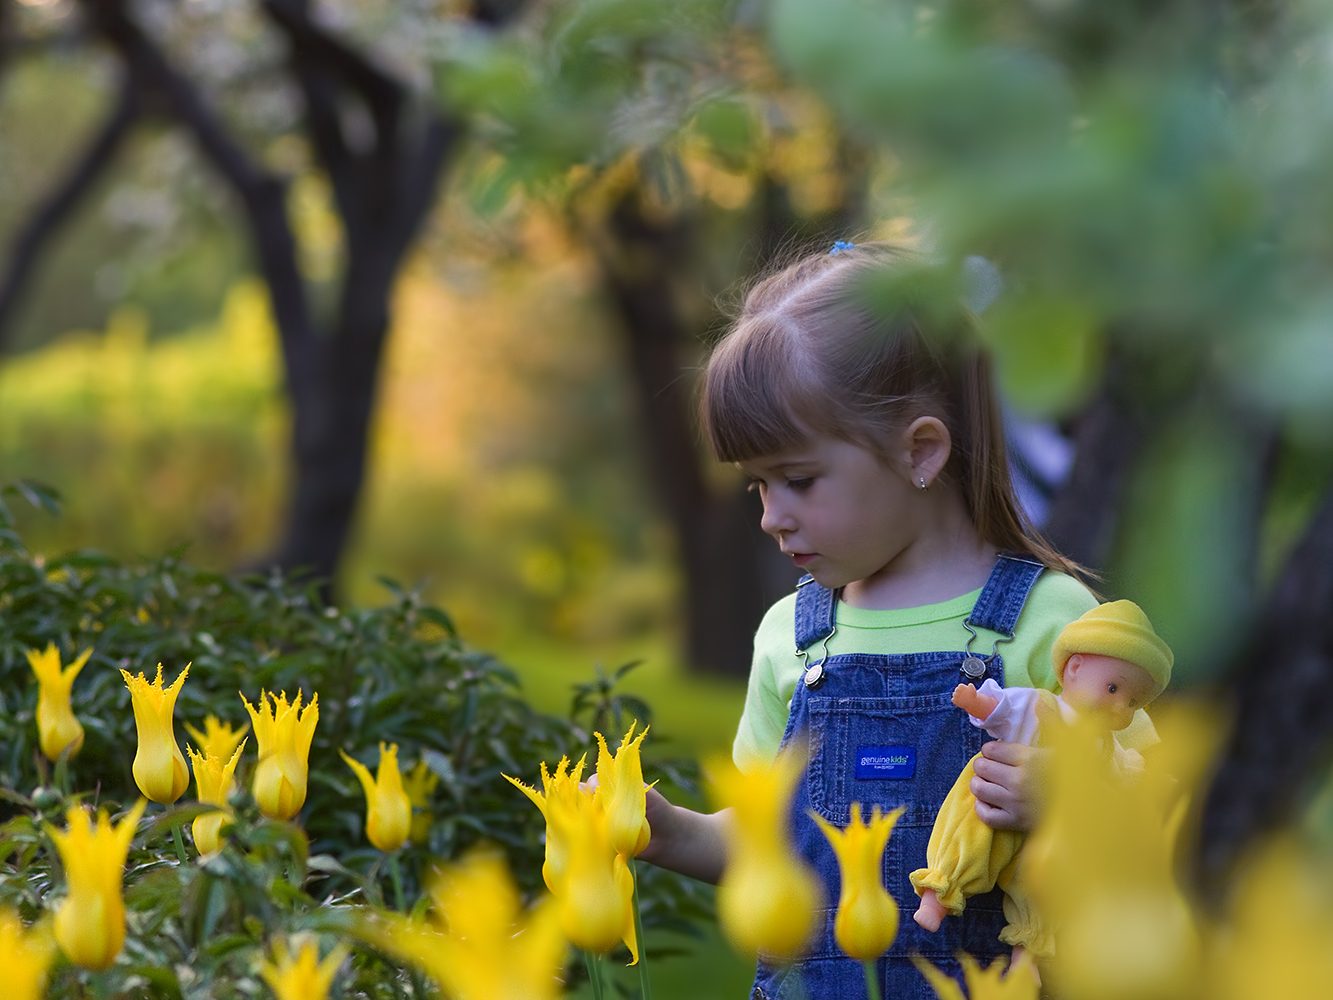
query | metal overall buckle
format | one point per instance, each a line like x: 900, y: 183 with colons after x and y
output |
x: 815, y: 674
x: 974, y: 667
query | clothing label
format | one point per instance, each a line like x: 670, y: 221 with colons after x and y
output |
x: 885, y: 762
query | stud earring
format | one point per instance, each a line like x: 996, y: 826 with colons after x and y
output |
x: 922, y: 482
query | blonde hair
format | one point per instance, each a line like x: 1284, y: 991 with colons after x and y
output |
x: 810, y: 353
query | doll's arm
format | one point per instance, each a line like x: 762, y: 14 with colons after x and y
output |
x: 974, y: 702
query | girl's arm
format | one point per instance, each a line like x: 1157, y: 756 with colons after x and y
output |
x: 686, y: 841
x: 1007, y: 782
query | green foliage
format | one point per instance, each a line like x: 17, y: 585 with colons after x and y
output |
x: 398, y: 673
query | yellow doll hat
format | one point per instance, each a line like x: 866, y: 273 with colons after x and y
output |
x: 1119, y: 629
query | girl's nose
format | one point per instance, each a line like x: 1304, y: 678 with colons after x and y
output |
x: 775, y: 520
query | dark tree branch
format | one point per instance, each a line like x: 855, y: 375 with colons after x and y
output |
x: 262, y: 193
x: 1284, y: 733
x: 43, y: 224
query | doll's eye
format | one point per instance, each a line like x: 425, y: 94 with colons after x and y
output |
x: 1110, y: 688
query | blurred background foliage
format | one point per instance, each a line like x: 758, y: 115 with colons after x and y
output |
x: 1152, y: 181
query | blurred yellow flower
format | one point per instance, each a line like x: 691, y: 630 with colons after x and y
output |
x: 420, y: 784
x: 90, y: 920
x: 213, y: 782
x: 768, y: 898
x: 25, y: 956
x: 476, y: 943
x: 867, y: 919
x: 301, y: 975
x: 1100, y: 865
x: 993, y: 983
x: 284, y: 733
x: 159, y: 765
x: 621, y: 789
x: 1276, y: 942
x: 218, y: 739
x: 57, y: 728
x: 563, y: 786
x: 388, y: 809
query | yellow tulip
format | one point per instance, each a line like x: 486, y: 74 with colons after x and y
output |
x: 1100, y: 867
x: 993, y: 983
x: 589, y: 878
x: 867, y: 919
x: 57, y: 728
x: 25, y: 956
x: 420, y: 784
x: 284, y: 733
x: 218, y: 739
x: 621, y: 788
x: 768, y: 898
x: 213, y: 782
x: 476, y: 942
x: 90, y: 921
x: 301, y: 976
x: 388, y: 809
x: 159, y: 765
x: 563, y: 786
x: 1275, y: 943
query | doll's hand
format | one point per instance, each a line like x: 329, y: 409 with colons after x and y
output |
x: 1007, y: 781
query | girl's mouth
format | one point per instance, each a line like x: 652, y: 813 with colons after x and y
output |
x: 801, y: 558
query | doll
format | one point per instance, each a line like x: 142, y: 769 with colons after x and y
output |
x: 1110, y: 663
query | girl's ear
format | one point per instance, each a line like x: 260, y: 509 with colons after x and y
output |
x: 926, y: 447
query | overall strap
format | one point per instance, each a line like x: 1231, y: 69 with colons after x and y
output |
x: 998, y: 608
x: 1005, y: 593
x: 815, y: 609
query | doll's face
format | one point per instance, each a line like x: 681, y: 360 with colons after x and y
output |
x: 1106, y: 687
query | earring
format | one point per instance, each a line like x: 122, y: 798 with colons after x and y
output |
x: 922, y: 482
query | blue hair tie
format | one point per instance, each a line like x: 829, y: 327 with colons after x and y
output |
x: 841, y: 245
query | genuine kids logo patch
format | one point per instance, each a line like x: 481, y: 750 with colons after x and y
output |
x: 885, y: 762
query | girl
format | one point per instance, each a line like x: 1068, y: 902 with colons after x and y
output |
x: 875, y: 442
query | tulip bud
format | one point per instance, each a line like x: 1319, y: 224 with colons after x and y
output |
x: 768, y: 897
x: 25, y: 956
x: 561, y: 787
x: 159, y: 765
x: 596, y: 889
x: 420, y: 784
x: 57, y: 728
x: 218, y: 739
x: 302, y: 976
x: 213, y: 782
x: 621, y: 789
x: 388, y: 809
x: 284, y: 733
x: 90, y: 921
x: 477, y: 943
x: 867, y: 919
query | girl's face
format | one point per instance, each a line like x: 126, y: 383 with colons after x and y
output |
x: 836, y: 508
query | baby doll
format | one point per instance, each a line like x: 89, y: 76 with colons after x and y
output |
x: 1109, y: 663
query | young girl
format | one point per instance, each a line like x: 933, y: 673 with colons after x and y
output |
x: 876, y: 445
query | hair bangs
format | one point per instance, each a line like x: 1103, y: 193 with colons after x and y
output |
x: 758, y: 393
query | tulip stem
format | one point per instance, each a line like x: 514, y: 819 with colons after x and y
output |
x: 872, y: 979
x: 594, y: 973
x: 396, y: 874
x: 645, y: 992
x: 179, y: 838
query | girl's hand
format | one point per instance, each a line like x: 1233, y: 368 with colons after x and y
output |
x: 1007, y: 782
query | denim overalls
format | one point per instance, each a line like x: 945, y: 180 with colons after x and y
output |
x: 882, y: 730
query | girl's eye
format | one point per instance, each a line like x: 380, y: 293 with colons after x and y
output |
x: 1110, y: 688
x: 800, y: 484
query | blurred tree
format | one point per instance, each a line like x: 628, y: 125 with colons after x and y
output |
x: 381, y: 148
x: 1154, y: 181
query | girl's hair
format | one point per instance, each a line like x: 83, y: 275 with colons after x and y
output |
x: 810, y: 353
